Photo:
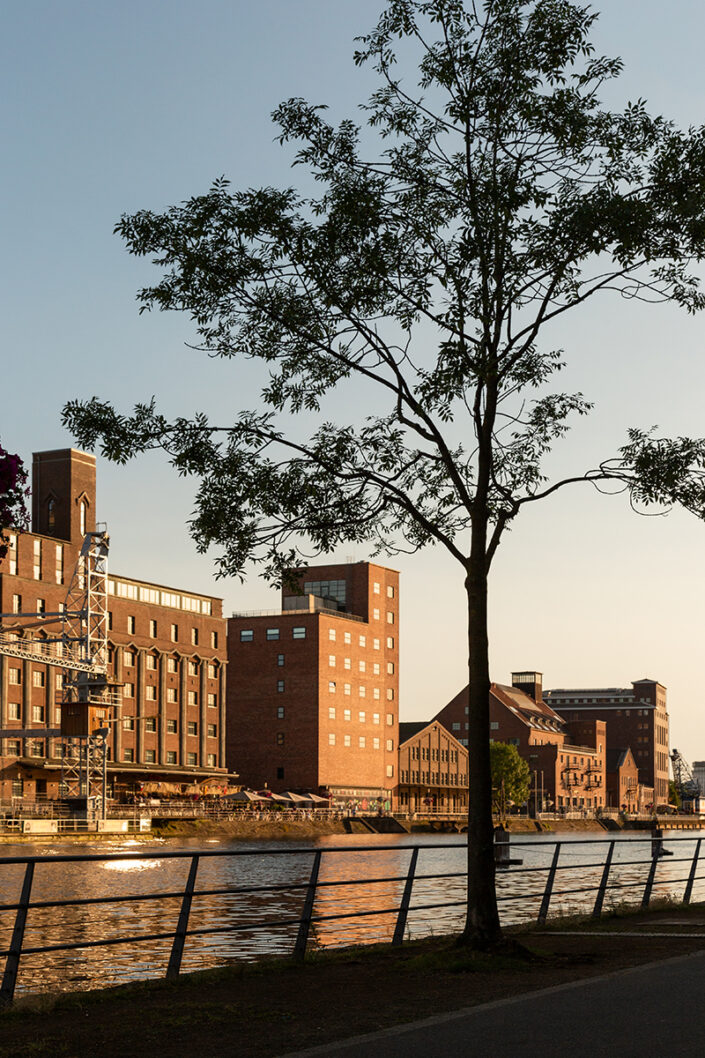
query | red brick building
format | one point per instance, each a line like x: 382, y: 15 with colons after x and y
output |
x: 567, y: 761
x: 636, y: 716
x: 167, y: 651
x: 313, y: 688
x: 623, y: 781
x: 433, y: 770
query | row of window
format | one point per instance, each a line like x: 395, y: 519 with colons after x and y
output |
x: 362, y: 742
x: 151, y: 695
x: 434, y: 778
x: 172, y: 664
x: 158, y: 597
x: 361, y: 716
x: 361, y: 691
x: 172, y: 727
x: 150, y: 757
x: 154, y: 630
x: 14, y: 712
x: 362, y: 666
x: 39, y: 559
x: 247, y: 635
x: 422, y: 753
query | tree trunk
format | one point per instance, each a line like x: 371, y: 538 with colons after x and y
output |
x: 482, y: 929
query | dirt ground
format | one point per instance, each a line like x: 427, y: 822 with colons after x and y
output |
x: 274, y: 1008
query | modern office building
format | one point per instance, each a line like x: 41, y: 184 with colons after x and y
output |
x: 636, y: 716
x: 313, y: 687
x: 166, y: 648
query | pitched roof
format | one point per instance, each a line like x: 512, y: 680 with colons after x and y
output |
x: 532, y: 713
x: 408, y: 729
x: 615, y: 758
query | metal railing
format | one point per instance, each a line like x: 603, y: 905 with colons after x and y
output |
x: 311, y: 888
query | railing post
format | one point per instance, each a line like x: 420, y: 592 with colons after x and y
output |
x: 543, y: 910
x: 7, y: 991
x: 177, y: 948
x: 655, y: 853
x: 400, y: 927
x: 691, y: 877
x: 599, y: 899
x: 307, y: 913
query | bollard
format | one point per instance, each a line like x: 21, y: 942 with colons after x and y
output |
x: 501, y: 847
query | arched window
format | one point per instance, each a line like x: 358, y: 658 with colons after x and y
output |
x: 82, y: 513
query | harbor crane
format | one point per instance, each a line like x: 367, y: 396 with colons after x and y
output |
x: 88, y: 701
x: 686, y: 784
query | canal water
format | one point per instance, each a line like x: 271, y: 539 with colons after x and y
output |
x: 234, y: 916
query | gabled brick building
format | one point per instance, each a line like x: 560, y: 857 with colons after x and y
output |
x: 433, y: 770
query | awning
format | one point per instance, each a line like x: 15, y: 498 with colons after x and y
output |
x: 298, y: 799
x: 246, y: 795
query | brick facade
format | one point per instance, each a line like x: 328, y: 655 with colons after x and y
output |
x: 433, y: 770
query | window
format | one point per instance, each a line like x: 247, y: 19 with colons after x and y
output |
x: 375, y: 668
x: 456, y: 727
x: 376, y: 644
x: 172, y: 665
x: 214, y: 640
x: 15, y: 676
x: 192, y: 697
x: 389, y: 745
x: 361, y: 691
x: 390, y: 591
x: 153, y: 629
x: 390, y: 617
x: 331, y: 634
x: 37, y: 560
x: 171, y: 756
x: 390, y: 668
x: 375, y: 718
x: 390, y: 694
x: 193, y: 668
x: 332, y: 686
x: 128, y: 658
x: 299, y: 632
x: 151, y: 661
x: 494, y: 725
x: 361, y: 717
x: 331, y: 661
x: 331, y: 738
x: 212, y: 701
x: 280, y: 660
x: 280, y: 712
x: 272, y: 633
x: 12, y: 548
x: 390, y: 720
x: 331, y: 712
x: 171, y: 727
x: 346, y: 688
x: 375, y: 588
x: 361, y: 742
x: 41, y: 606
x: 128, y: 755
x: 194, y: 637
x: 150, y: 692
x: 390, y: 642
x: 347, y: 664
x: 128, y: 723
x: 38, y: 714
x: 280, y: 773
x: 17, y: 604
x: 347, y: 715
x: 375, y: 743
x: 363, y: 641
x: 376, y: 693
x: 247, y: 635
x: 361, y: 666
x: 150, y: 723
x: 211, y: 760
x: 37, y: 679
x: 212, y: 731
x: 280, y: 686
x: 14, y: 711
x: 128, y: 690
x: 375, y: 615
x: 175, y: 633
x: 192, y: 728
x: 390, y: 771
x: 171, y: 694
x: 191, y: 758
x: 347, y: 638
x: 347, y: 741
x: 213, y: 671
x: 280, y: 738
x: 131, y: 625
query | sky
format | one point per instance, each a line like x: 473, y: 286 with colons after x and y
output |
x: 108, y: 108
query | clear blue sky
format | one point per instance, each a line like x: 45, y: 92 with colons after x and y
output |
x: 109, y: 107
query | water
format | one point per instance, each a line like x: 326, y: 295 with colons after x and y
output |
x: 229, y: 920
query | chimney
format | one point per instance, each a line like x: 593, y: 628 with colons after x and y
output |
x: 530, y: 683
x: 63, y: 494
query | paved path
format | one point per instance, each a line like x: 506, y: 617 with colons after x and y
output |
x: 655, y: 1010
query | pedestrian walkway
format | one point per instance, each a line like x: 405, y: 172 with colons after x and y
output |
x: 645, y: 1011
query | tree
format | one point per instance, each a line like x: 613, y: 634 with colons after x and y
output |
x: 511, y: 777
x: 421, y: 278
x: 13, y: 491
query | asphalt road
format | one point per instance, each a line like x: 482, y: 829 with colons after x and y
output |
x: 652, y: 1010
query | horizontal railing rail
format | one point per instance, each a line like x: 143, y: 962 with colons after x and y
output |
x: 315, y: 885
